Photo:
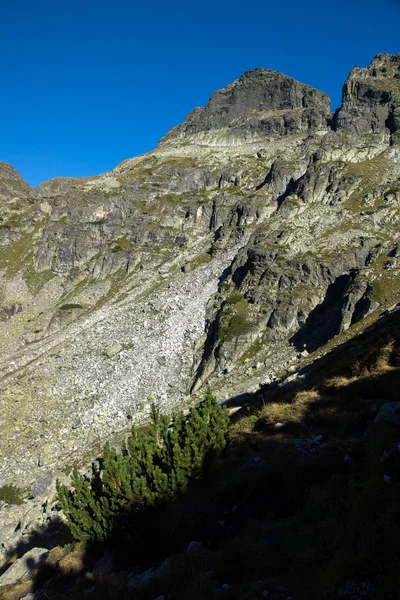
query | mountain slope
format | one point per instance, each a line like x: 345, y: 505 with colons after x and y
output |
x: 279, y: 217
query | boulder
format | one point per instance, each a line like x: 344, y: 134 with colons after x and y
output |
x: 113, y: 350
x: 389, y: 413
x: 45, y: 486
x: 140, y: 581
x: 24, y: 566
x: 104, y: 566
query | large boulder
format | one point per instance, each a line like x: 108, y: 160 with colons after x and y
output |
x: 389, y: 414
x: 25, y: 565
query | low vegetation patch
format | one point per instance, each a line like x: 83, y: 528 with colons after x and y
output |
x: 122, y: 244
x: 153, y: 466
x: 11, y: 494
x: 236, y: 319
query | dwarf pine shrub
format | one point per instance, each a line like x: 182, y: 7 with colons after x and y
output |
x: 153, y: 465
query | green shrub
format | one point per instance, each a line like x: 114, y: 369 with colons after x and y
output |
x: 11, y: 494
x: 154, y: 465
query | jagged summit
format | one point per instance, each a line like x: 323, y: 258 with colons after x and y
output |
x: 261, y: 103
x: 374, y: 90
x: 11, y: 182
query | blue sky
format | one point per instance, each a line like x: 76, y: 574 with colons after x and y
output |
x: 88, y: 83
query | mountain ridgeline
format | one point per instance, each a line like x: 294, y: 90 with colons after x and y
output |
x: 260, y: 232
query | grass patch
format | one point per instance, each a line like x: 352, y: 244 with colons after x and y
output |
x: 36, y: 280
x: 71, y: 306
x: 202, y: 259
x: 11, y: 494
x: 234, y: 298
x: 122, y: 244
x: 237, y: 321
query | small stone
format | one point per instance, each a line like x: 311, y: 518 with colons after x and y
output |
x: 279, y: 425
x: 113, y: 350
x: 256, y: 459
x: 265, y: 594
x: 387, y: 479
x: 347, y: 458
x: 225, y: 586
x: 318, y: 438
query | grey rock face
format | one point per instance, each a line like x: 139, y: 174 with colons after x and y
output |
x: 11, y: 182
x: 23, y: 566
x: 371, y: 96
x: 261, y: 103
x: 44, y: 486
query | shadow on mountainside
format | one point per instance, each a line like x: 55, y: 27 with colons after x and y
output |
x: 324, y: 322
x: 304, y: 503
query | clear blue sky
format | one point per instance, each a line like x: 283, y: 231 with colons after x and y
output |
x: 88, y: 83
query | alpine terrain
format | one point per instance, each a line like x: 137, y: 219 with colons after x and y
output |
x: 261, y: 236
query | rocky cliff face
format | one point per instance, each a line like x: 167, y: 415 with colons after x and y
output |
x: 260, y: 104
x: 256, y: 232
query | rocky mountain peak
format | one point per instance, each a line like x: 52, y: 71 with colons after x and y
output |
x: 261, y: 103
x: 375, y: 90
x: 11, y: 182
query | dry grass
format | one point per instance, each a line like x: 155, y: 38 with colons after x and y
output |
x: 16, y: 592
x: 73, y: 563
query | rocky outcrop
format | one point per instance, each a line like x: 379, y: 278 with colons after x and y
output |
x: 260, y: 104
x: 371, y: 96
x: 11, y: 183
